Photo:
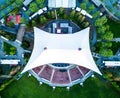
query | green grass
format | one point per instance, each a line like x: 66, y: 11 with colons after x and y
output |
x: 29, y: 88
x: 114, y: 27
x: 9, y: 49
x: 115, y: 46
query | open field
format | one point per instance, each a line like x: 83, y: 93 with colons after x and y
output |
x: 114, y: 27
x: 29, y: 88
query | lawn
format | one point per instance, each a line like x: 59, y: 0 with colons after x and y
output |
x: 29, y: 88
x: 9, y: 49
x: 115, y: 46
x: 114, y: 27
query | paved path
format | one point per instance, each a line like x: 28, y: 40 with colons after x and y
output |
x: 20, y: 33
x: 116, y: 39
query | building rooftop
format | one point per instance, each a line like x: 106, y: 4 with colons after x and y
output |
x: 62, y: 3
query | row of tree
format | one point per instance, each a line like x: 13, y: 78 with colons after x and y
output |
x: 76, y: 17
x: 90, y: 8
x: 34, y: 6
x: 104, y: 36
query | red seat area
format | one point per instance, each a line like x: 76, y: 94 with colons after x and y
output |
x: 75, y: 74
x: 60, y: 77
x: 46, y: 73
x: 84, y: 70
x: 37, y: 69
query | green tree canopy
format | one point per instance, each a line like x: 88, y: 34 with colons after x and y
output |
x: 83, y: 5
x: 106, y: 44
x: 106, y: 52
x: 92, y: 7
x: 43, y: 20
x: 100, y: 21
x: 72, y: 14
x: 108, y: 36
x: 101, y: 30
x: 33, y: 7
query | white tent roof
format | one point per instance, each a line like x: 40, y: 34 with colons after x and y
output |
x: 62, y: 3
x: 61, y: 48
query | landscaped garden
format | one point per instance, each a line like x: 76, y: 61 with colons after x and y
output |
x: 106, y: 29
x: 7, y: 35
x: 30, y: 88
x: 9, y: 49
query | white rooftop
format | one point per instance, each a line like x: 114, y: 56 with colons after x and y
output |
x: 112, y: 63
x: 61, y: 48
x: 26, y: 2
x: 97, y: 2
x: 5, y: 61
x: 62, y: 3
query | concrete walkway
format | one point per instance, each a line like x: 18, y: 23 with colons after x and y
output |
x: 116, y: 39
x: 20, y: 33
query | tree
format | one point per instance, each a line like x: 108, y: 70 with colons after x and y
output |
x: 83, y: 5
x: 2, y: 6
x: 34, y: 23
x: 78, y: 14
x: 10, y: 24
x: 27, y: 12
x: 108, y: 36
x: 96, y: 14
x: 48, y: 15
x: 100, y: 21
x: 43, y: 20
x: 33, y: 7
x: 102, y: 0
x: 117, y: 14
x: 12, y: 50
x: 25, y: 44
x: 107, y: 27
x: 72, y: 14
x: 14, y: 5
x: 85, y: 24
x: 106, y: 52
x: 19, y: 2
x: 101, y: 30
x: 61, y: 11
x: 79, y: 18
x: 40, y: 1
x: 92, y: 7
x: 7, y: 36
x: 82, y: 19
x: 52, y: 14
x: 23, y: 20
x: 111, y: 10
x: 104, y: 19
x: 106, y: 44
x: 3, y: 14
x: 8, y: 2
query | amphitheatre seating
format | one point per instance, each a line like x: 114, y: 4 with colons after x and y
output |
x: 37, y: 69
x: 84, y: 70
x: 75, y: 74
x: 60, y: 77
x: 46, y: 73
